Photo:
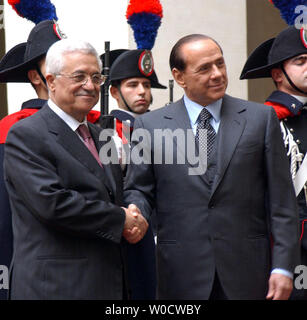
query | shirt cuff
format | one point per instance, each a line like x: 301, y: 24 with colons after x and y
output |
x: 284, y: 272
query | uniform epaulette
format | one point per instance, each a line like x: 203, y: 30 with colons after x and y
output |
x: 280, y: 100
x: 281, y: 111
x: 93, y: 116
x: 7, y: 122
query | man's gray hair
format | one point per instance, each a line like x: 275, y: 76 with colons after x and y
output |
x: 55, y: 54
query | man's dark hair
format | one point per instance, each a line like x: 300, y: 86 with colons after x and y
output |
x: 176, y: 60
x: 116, y: 83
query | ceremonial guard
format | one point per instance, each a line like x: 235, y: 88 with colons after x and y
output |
x: 284, y: 59
x: 131, y: 78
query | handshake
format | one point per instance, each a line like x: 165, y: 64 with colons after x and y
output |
x: 135, y: 225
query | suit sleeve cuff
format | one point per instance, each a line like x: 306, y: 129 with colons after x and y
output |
x: 284, y: 272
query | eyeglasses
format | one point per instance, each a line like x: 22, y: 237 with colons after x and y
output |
x: 82, y: 78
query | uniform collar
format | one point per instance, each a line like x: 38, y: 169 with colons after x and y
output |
x: 123, y: 115
x: 290, y: 102
x: 33, y: 104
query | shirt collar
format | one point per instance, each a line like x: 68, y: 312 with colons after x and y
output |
x: 68, y: 119
x: 194, y: 109
x: 134, y: 115
x: 302, y: 99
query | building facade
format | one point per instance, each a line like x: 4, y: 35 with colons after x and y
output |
x: 238, y: 25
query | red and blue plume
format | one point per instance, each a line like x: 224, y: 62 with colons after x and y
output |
x: 144, y: 17
x: 287, y: 9
x: 34, y: 10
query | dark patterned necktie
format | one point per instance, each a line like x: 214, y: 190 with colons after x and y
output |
x: 88, y: 141
x: 206, y: 142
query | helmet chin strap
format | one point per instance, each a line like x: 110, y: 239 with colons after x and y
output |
x: 125, y: 102
x: 291, y: 82
x: 41, y: 75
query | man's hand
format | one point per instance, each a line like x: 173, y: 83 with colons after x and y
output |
x: 135, y: 225
x: 280, y: 287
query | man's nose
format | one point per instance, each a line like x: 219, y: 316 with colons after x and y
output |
x: 88, y: 84
x: 216, y: 72
x: 141, y: 89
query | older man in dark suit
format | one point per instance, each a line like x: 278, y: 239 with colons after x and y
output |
x: 214, y: 224
x: 68, y: 218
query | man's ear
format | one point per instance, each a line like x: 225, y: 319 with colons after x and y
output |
x: 50, y: 79
x: 114, y: 92
x: 179, y: 77
x: 34, y: 77
x: 277, y: 75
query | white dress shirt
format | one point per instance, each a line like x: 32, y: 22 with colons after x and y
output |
x: 68, y: 119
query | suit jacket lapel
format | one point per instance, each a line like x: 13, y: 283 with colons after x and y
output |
x: 72, y: 143
x: 230, y: 130
x: 179, y: 113
x: 176, y: 117
x: 179, y: 117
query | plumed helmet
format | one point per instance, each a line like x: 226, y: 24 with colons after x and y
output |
x: 133, y: 64
x: 24, y: 56
x: 289, y: 43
